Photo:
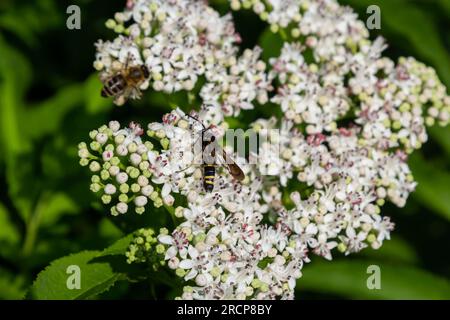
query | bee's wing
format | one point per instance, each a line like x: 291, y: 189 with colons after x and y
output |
x: 225, y: 159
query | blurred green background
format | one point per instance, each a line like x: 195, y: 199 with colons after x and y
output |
x: 49, y: 101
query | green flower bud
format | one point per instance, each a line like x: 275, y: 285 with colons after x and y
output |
x: 274, y: 28
x: 115, y: 161
x: 119, y: 28
x: 119, y: 139
x: 154, y: 196
x: 103, y: 128
x: 84, y: 153
x: 165, y: 143
x: 84, y: 162
x: 158, y: 203
x: 188, y: 289
x: 396, y: 125
x: 341, y: 247
x: 139, y: 210
x: 371, y: 238
x: 93, y: 134
x: 148, y: 145
x: 199, y: 238
x: 94, y: 145
x: 109, y: 147
x: 124, y: 188
x: 94, y: 166
x: 295, y: 33
x: 180, y: 272
x: 134, y: 173
x: 264, y: 287
x: 110, y: 24
x: 215, y: 272
x: 146, y: 173
x: 144, y: 165
x: 114, y: 211
x: 104, y: 174
x: 135, y: 188
x: 224, y: 277
x: 160, y: 249
x: 179, y: 212
x: 106, y: 199
x: 132, y: 147
x: 95, y: 187
x: 256, y: 283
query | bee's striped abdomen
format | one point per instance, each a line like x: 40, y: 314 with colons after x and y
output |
x: 209, y: 172
x: 106, y: 92
x: 114, y: 86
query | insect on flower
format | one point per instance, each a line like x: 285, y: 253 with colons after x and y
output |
x: 212, y: 155
x: 125, y: 83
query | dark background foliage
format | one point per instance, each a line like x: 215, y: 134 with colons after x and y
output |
x: 49, y: 101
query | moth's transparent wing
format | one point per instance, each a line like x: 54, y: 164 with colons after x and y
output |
x: 225, y: 159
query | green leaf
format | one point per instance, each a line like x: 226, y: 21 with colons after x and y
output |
x: 96, y: 277
x: 46, y: 117
x: 26, y: 21
x: 394, y: 250
x: 14, y: 79
x: 8, y: 231
x: 406, y: 20
x: 442, y: 136
x: 349, y: 279
x: 57, y: 205
x: 108, y: 230
x: 94, y: 102
x: 12, y: 286
x: 445, y: 4
x: 271, y: 43
x: 119, y: 247
x: 433, y: 183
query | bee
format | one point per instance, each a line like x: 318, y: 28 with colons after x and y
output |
x: 125, y: 83
x: 210, y: 159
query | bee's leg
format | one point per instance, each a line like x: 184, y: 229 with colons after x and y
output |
x: 188, y: 115
x: 127, y: 61
x: 120, y: 100
x: 183, y: 169
x: 138, y: 94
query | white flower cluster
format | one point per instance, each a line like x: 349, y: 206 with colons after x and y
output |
x: 119, y: 162
x: 180, y: 41
x: 308, y: 93
x: 279, y: 13
x: 236, y: 87
x: 222, y: 244
x: 336, y: 73
x: 340, y: 161
x: 394, y: 110
x: 324, y: 169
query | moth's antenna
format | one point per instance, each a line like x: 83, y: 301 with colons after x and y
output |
x: 187, y: 114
